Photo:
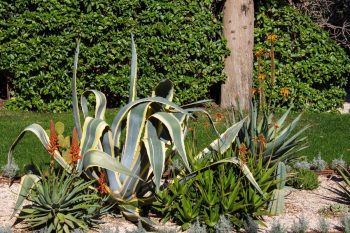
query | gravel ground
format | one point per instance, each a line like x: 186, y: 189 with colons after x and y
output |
x: 298, y: 203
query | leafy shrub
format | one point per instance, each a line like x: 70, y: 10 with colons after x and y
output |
x: 323, y: 226
x: 250, y: 226
x: 318, y: 163
x: 277, y: 227
x: 311, y: 66
x: 345, y: 221
x: 224, y: 225
x: 338, y: 163
x: 304, y: 179
x: 10, y: 170
x: 302, y: 165
x: 300, y: 226
x: 178, y: 40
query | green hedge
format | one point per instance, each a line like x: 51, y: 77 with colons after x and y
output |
x: 310, y: 64
x: 180, y: 40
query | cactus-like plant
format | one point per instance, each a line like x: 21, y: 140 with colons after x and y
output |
x: 273, y: 139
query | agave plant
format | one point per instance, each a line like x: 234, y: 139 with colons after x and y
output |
x: 270, y: 137
x: 128, y: 157
x: 62, y: 203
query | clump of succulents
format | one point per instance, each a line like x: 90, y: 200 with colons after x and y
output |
x: 318, y: 163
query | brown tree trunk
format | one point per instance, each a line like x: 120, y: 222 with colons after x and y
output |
x: 239, y: 32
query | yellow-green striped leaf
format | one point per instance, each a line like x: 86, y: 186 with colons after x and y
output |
x: 225, y: 140
x: 76, y: 115
x: 133, y: 73
x: 175, y: 130
x: 41, y: 134
x: 96, y: 158
x: 155, y: 151
x: 100, y: 106
x: 27, y: 183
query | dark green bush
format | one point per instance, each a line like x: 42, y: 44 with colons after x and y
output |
x: 310, y: 64
x: 179, y: 40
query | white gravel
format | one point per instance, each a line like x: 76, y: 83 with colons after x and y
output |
x: 298, y: 203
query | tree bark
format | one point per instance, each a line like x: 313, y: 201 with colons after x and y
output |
x: 239, y: 32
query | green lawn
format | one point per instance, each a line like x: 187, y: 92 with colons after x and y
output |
x: 328, y: 135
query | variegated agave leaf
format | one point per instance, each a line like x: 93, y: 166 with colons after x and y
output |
x: 41, y: 134
x: 26, y: 185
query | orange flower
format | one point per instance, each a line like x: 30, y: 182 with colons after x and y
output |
x: 284, y: 91
x: 259, y: 52
x: 206, y: 124
x: 218, y: 116
x: 276, y: 126
x: 262, y: 140
x: 254, y: 91
x: 272, y: 37
x: 74, y: 149
x: 242, y: 153
x: 262, y: 77
x: 242, y: 149
x: 102, y: 183
x: 53, y: 144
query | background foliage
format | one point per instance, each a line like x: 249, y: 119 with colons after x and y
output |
x: 311, y: 65
x: 180, y: 40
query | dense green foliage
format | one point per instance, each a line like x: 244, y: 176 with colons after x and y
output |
x: 179, y: 40
x: 311, y: 65
x: 304, y: 179
x: 220, y: 190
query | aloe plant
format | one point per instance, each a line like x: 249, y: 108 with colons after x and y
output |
x: 273, y: 138
x: 62, y: 203
x: 128, y: 157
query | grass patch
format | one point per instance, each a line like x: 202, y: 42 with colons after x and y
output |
x: 328, y: 135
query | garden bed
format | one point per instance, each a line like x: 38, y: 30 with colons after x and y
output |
x: 311, y: 204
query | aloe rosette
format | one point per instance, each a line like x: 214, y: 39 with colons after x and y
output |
x: 131, y: 152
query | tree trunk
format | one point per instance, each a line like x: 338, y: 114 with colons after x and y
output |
x: 239, y: 32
